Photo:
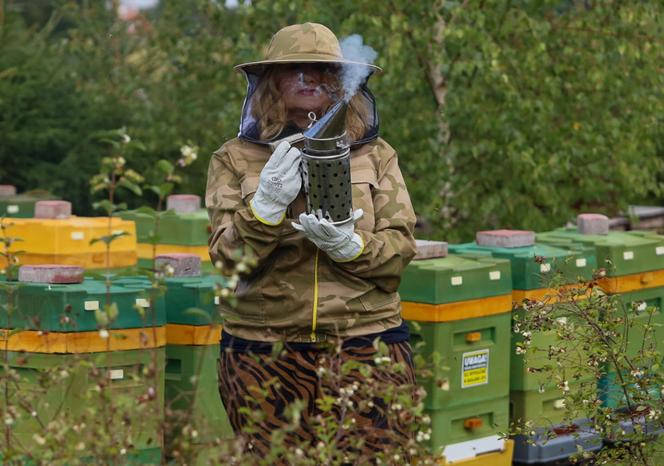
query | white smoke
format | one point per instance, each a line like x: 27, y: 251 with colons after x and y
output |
x: 352, y: 76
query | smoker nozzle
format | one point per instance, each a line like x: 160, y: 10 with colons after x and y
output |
x: 327, y: 137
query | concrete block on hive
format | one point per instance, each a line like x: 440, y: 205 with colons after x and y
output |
x: 183, y: 265
x: 7, y: 190
x: 430, y: 249
x: 592, y: 224
x: 183, y: 203
x: 51, y: 273
x: 53, y: 209
x: 505, y: 238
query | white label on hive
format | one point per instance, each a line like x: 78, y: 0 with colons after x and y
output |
x: 559, y: 404
x: 659, y: 250
x: 457, y: 281
x: 216, y: 300
x: 544, y: 268
x: 475, y: 368
x: 494, y: 275
x: 116, y: 374
x: 628, y: 255
x: 77, y: 235
x: 91, y: 305
x: 142, y: 302
x: 581, y: 262
x: 12, y: 209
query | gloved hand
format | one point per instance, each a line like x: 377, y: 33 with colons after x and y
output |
x: 278, y: 186
x: 340, y: 242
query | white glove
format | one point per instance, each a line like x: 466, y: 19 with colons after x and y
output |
x: 340, y: 242
x: 279, y: 184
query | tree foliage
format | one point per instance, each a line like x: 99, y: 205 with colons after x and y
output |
x: 505, y: 113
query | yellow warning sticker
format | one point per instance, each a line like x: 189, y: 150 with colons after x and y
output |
x: 475, y: 368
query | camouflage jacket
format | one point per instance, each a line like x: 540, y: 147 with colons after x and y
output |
x: 296, y: 293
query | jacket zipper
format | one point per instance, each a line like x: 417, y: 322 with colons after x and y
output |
x: 315, y: 307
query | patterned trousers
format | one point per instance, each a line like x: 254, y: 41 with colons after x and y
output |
x: 262, y: 382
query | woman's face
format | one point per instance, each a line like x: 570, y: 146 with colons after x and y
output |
x: 305, y: 87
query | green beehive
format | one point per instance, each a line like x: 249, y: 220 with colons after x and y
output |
x: 534, y: 378
x: 133, y: 457
x: 618, y: 252
x: 184, y: 229
x: 523, y: 379
x: 192, y: 393
x: 179, y: 232
x: 22, y: 205
x: 192, y: 292
x: 613, y: 396
x: 458, y: 310
x: 468, y: 422
x: 191, y: 370
x: 533, y: 268
x: 72, y: 307
x: 192, y: 390
x: 145, y: 457
x: 474, y: 359
x: 73, y: 389
x: 537, y: 267
x: 184, y: 294
x: 455, y: 278
x: 634, y: 267
x: 636, y: 304
x: 570, y: 263
x: 545, y: 408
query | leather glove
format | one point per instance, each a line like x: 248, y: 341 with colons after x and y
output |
x: 278, y: 185
x: 340, y: 242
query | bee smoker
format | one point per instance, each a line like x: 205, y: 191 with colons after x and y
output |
x: 325, y: 167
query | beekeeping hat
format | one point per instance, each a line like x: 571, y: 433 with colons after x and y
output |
x: 302, y: 43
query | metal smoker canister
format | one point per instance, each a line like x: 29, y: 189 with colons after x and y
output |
x: 326, y: 167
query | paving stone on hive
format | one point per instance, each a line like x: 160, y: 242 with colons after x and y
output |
x: 430, y: 249
x: 53, y: 209
x: 593, y: 224
x: 183, y: 203
x: 7, y: 190
x: 505, y: 238
x: 51, y: 273
x: 184, y: 265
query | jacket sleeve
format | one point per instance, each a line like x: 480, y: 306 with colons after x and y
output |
x: 391, y: 246
x: 233, y: 224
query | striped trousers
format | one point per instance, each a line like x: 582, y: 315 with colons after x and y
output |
x: 267, y: 384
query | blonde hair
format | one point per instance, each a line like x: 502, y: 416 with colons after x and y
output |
x: 269, y: 110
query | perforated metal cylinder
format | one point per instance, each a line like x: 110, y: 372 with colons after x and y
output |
x: 326, y: 181
x: 326, y: 167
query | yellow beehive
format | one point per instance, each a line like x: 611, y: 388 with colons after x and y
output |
x: 70, y: 242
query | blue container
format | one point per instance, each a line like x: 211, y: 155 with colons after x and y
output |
x: 556, y: 443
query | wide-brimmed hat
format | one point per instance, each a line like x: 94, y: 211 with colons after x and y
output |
x: 302, y: 43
